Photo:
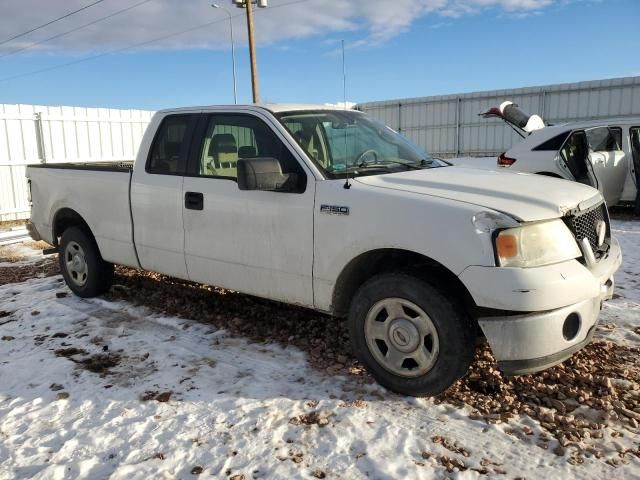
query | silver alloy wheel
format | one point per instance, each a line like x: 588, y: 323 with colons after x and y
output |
x: 401, y: 337
x: 76, y: 263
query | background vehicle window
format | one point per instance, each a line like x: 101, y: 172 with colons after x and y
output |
x: 553, y: 144
x: 229, y: 138
x: 574, y: 153
x: 167, y: 156
x: 604, y: 139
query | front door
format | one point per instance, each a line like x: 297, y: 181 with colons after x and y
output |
x: 256, y: 242
x: 608, y: 160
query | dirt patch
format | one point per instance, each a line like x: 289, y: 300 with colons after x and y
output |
x: 153, y: 395
x: 20, y: 273
x: 313, y: 418
x: 69, y: 352
x: 100, y: 363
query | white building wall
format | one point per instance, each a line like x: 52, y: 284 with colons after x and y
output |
x: 45, y: 134
x: 449, y: 125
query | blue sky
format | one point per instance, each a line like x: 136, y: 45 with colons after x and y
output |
x: 427, y: 53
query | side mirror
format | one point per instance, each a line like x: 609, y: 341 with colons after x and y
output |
x: 264, y: 174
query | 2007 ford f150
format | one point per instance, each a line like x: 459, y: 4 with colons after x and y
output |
x: 331, y: 210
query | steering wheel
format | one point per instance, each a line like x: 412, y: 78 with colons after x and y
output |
x: 364, y: 154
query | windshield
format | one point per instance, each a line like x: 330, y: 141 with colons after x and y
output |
x: 350, y: 143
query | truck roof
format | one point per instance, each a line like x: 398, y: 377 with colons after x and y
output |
x: 272, y: 107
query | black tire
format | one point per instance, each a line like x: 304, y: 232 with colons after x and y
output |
x: 99, y: 274
x: 455, y: 333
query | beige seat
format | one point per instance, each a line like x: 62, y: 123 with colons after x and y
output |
x: 223, y: 151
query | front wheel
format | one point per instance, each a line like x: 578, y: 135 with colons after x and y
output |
x: 81, y: 264
x: 412, y: 337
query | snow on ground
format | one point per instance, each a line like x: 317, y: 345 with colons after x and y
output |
x: 94, y: 389
x: 628, y: 276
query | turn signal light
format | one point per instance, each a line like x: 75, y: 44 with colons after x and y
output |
x: 505, y: 161
x: 507, y: 246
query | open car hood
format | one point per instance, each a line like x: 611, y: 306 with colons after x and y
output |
x: 511, y: 114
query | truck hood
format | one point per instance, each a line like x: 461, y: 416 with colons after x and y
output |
x: 525, y: 197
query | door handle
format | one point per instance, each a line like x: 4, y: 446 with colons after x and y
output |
x: 193, y: 201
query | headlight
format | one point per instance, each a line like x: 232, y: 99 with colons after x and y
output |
x: 536, y: 245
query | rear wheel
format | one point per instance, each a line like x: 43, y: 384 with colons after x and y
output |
x: 412, y: 337
x: 81, y: 264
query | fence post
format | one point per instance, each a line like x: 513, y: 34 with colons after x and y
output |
x: 399, y: 117
x: 458, y: 114
x: 42, y: 156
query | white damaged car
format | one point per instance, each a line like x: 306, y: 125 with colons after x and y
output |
x: 603, y: 154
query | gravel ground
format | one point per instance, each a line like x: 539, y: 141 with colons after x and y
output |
x: 585, y: 403
x: 603, y: 376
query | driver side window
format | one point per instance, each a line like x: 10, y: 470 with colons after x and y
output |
x: 229, y: 138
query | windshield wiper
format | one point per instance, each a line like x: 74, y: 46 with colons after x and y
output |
x: 386, y: 163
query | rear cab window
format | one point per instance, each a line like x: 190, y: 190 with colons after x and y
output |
x: 170, y: 146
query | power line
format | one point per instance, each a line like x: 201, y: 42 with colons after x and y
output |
x: 101, y: 19
x: 50, y: 22
x: 136, y: 45
x: 111, y: 52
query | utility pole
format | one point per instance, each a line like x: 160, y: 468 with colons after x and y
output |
x: 248, y: 4
x: 252, y: 54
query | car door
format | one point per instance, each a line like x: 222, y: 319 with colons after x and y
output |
x: 256, y: 242
x: 156, y: 197
x: 574, y: 157
x: 608, y: 160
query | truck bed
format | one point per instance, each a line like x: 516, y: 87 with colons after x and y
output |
x: 122, y: 166
x: 97, y: 192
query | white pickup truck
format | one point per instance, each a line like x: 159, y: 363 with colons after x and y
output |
x: 331, y: 210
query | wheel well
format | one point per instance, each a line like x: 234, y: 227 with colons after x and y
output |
x: 549, y: 174
x: 65, y: 218
x: 390, y: 260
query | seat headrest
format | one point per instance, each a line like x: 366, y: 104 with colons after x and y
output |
x: 222, y: 143
x: 172, y: 149
x: 247, y: 151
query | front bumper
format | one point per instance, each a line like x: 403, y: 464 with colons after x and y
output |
x: 560, y: 305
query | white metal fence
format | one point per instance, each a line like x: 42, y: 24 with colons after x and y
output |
x: 449, y: 125
x: 41, y: 134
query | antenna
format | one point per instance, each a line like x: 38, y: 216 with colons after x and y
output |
x: 344, y: 79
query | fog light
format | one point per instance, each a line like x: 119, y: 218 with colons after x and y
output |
x: 571, y: 326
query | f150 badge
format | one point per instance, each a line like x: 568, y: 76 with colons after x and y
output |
x: 334, y: 210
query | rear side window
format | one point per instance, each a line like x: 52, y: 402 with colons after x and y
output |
x: 553, y: 144
x: 169, y: 148
x: 604, y: 139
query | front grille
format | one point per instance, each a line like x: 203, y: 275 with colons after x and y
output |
x: 585, y: 225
